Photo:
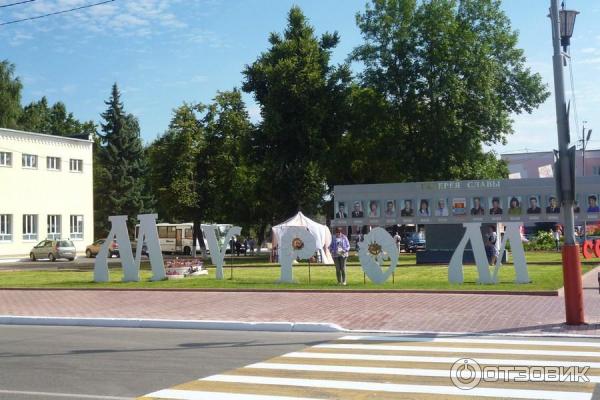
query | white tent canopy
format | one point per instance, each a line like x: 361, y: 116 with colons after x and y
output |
x: 320, y: 232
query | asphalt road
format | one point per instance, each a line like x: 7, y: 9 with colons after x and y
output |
x: 80, y: 262
x: 76, y: 362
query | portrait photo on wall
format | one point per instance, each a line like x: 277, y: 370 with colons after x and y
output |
x: 592, y: 203
x: 533, y: 204
x: 514, y: 205
x: 341, y: 210
x: 441, y: 207
x: 477, y: 206
x: 424, y: 208
x: 407, y: 208
x: 552, y: 206
x: 459, y: 206
x: 495, y: 206
x: 390, y: 208
x: 357, y: 210
x: 576, y: 206
x: 373, y: 209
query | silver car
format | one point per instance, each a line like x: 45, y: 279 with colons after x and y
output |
x: 53, y: 249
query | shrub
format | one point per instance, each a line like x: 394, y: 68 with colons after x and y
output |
x: 542, y: 241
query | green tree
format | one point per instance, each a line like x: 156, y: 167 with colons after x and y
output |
x: 38, y: 116
x: 445, y: 78
x: 302, y: 98
x: 175, y: 177
x: 173, y: 158
x: 120, y: 184
x: 10, y: 96
x: 198, y: 168
x: 225, y: 158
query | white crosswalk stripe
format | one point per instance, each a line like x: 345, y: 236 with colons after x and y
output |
x: 400, y: 366
x: 444, y: 360
x: 377, y: 370
x: 463, y: 350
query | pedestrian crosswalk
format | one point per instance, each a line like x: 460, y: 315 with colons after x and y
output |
x: 411, y: 367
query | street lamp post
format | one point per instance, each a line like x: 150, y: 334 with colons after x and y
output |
x: 584, y: 142
x: 562, y: 29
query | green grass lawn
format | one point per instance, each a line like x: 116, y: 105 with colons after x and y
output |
x: 256, y: 274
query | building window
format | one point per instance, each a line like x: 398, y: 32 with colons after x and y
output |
x: 76, y: 165
x: 5, y: 227
x: 76, y: 226
x: 53, y: 163
x: 30, y: 227
x: 596, y: 170
x: 53, y: 226
x: 5, y: 159
x: 29, y: 161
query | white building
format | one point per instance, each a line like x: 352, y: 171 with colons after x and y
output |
x: 46, y: 191
x: 539, y: 164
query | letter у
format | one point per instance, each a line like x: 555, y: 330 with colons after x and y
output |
x: 217, y: 253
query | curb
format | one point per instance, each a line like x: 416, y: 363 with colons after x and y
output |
x: 275, y: 290
x: 475, y: 333
x: 172, y: 324
x: 307, y: 327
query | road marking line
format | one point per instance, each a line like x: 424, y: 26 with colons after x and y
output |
x: 450, y: 360
x: 467, y: 340
x: 480, y: 350
x: 401, y: 388
x: 381, y: 370
x: 72, y: 395
x: 200, y: 395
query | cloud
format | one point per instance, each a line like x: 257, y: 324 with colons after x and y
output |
x: 592, y: 60
x: 19, y: 37
x: 196, y: 79
x: 139, y: 18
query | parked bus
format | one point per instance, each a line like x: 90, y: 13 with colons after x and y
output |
x: 178, y: 238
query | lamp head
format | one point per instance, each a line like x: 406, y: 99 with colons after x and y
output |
x: 567, y: 24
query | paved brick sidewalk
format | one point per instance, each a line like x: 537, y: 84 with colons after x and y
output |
x: 362, y: 311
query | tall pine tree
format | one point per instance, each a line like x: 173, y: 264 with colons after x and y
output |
x: 121, y: 167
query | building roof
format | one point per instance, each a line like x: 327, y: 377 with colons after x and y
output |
x: 548, y: 152
x: 45, y: 136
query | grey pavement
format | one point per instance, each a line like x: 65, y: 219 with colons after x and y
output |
x: 406, y: 312
x: 74, y: 362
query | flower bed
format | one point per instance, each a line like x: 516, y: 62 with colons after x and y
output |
x: 179, y: 269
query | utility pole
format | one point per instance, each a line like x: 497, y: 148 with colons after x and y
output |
x: 565, y: 168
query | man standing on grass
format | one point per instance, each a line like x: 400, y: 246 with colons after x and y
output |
x: 339, y: 247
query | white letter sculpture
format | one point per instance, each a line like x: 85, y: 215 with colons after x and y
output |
x: 513, y: 234
x: 376, y: 247
x: 131, y: 267
x: 217, y: 254
x: 455, y: 269
x: 296, y: 242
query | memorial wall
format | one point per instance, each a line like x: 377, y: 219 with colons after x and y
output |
x: 454, y: 202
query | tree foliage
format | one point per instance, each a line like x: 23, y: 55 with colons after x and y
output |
x: 10, y: 96
x: 173, y: 160
x: 39, y: 117
x: 447, y: 74
x: 301, y: 97
x: 198, y: 167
